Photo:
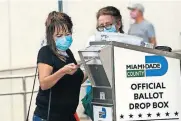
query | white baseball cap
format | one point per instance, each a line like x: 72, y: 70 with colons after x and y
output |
x: 137, y: 6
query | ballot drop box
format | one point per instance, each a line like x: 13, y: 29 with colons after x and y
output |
x: 132, y: 83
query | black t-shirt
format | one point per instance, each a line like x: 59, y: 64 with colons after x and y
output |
x: 65, y: 93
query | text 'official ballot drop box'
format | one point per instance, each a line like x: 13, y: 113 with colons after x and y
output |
x: 132, y: 83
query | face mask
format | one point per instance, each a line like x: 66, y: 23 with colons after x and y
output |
x: 133, y: 14
x: 63, y: 43
x: 112, y: 29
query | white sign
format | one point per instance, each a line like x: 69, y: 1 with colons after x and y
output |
x: 147, y: 86
x: 102, y: 113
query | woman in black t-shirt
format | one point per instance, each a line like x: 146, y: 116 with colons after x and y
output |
x: 59, y: 75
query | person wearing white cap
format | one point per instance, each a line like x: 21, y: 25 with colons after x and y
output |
x: 141, y: 28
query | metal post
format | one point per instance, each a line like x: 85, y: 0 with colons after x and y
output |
x: 24, y: 97
x: 60, y: 5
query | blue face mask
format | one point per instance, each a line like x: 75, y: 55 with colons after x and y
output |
x: 63, y: 43
x: 112, y: 29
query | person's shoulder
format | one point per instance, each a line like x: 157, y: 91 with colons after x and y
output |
x: 132, y: 25
x: 45, y: 50
x: 45, y: 55
x: 146, y: 22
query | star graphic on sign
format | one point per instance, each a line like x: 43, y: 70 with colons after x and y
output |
x: 167, y: 114
x: 149, y: 115
x: 176, y: 113
x: 130, y: 116
x: 122, y: 116
x: 158, y: 114
x: 140, y: 115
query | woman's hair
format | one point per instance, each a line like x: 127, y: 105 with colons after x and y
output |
x: 59, y: 16
x: 113, y: 11
x: 62, y: 23
x: 51, y: 15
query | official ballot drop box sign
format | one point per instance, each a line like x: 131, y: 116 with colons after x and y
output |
x: 147, y: 86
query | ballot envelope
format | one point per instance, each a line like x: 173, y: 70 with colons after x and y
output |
x: 118, y: 37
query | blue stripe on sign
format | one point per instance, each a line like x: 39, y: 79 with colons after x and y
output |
x: 156, y: 59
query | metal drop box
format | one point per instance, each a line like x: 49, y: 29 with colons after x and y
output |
x: 111, y: 84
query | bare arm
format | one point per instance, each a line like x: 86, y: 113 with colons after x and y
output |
x: 152, y: 40
x: 151, y: 35
x: 47, y: 79
x: 85, y: 77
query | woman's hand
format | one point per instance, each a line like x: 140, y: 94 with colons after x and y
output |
x: 70, y: 68
x: 48, y: 80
